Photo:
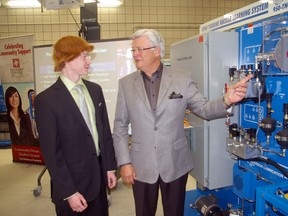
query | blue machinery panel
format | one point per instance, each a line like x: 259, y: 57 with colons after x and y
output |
x: 275, y: 195
x: 258, y: 142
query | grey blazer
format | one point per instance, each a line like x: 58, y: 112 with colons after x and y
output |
x: 159, y: 145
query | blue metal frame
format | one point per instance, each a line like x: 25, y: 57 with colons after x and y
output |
x: 270, y: 196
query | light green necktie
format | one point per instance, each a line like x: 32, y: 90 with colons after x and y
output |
x: 83, y: 106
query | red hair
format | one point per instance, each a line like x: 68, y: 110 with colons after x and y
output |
x: 68, y: 48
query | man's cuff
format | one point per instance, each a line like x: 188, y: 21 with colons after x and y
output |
x: 70, y: 196
x: 226, y: 103
x: 124, y: 164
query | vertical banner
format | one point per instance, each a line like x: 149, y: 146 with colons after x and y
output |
x: 16, y: 69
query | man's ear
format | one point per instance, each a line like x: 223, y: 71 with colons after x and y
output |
x: 157, y: 51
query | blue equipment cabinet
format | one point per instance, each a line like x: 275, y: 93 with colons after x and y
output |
x: 256, y: 139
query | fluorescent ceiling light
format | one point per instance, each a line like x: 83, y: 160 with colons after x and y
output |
x: 21, y: 4
x: 106, y: 3
x: 269, y: 1
x: 36, y: 3
x: 109, y: 3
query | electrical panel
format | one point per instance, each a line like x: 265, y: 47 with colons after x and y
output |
x: 201, y: 57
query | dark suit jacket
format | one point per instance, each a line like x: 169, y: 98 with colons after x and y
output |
x: 67, y: 145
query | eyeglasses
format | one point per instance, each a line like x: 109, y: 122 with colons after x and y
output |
x: 88, y: 55
x: 140, y: 50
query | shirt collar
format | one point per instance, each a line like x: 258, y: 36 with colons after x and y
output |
x: 68, y: 83
x: 158, y: 72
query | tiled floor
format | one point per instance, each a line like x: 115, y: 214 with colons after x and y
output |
x: 18, y: 180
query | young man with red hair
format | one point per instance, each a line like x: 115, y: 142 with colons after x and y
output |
x: 77, y: 151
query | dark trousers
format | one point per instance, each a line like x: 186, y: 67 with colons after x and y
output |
x: 96, y: 207
x: 172, y: 193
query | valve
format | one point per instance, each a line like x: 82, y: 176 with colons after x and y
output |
x: 268, y: 124
x: 282, y: 135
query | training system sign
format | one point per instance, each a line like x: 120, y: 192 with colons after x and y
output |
x: 251, y: 13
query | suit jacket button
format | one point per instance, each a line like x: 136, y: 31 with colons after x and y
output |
x: 156, y: 129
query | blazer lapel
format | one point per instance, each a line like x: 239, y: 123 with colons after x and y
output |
x: 166, y: 81
x: 67, y: 100
x: 140, y: 89
x: 95, y: 99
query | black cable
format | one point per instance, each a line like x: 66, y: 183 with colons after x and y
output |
x: 74, y: 19
x: 82, y: 30
x: 271, y: 162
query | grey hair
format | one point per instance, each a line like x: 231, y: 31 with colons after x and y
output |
x: 153, y: 36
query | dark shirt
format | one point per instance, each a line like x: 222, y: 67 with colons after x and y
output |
x: 152, y: 86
